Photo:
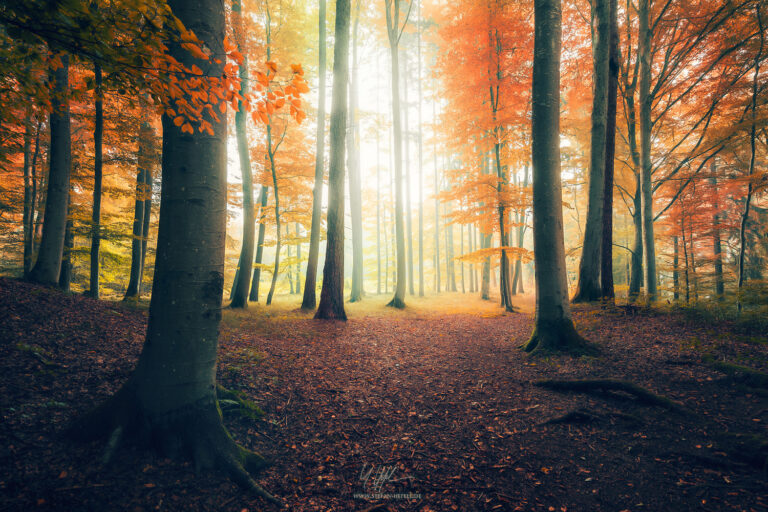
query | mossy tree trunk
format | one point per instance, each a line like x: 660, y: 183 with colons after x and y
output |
x: 170, y: 399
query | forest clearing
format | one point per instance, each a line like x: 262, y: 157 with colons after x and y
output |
x: 445, y: 398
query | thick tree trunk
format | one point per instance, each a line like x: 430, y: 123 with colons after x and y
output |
x: 353, y: 163
x: 646, y: 184
x: 254, y: 295
x: 310, y: 284
x: 171, y: 397
x: 241, y: 286
x: 554, y: 330
x: 393, y: 31
x: 588, y: 288
x: 98, y: 134
x: 48, y: 266
x: 606, y: 249
x: 332, y: 293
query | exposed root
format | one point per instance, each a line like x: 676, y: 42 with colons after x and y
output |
x: 747, y: 448
x: 587, y: 416
x: 237, y: 401
x: 740, y: 374
x: 196, y: 431
x: 552, y: 338
x: 611, y: 387
x: 396, y: 303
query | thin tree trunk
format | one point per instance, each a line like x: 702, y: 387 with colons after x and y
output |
x: 554, y: 330
x: 65, y: 275
x: 48, y: 266
x: 421, y: 161
x: 332, y: 294
x: 753, y: 153
x: 143, y: 158
x: 716, y: 241
x: 254, y: 295
x: 588, y: 287
x: 29, y: 179
x: 240, y: 288
x: 353, y: 163
x: 461, y: 253
x: 676, y: 269
x: 393, y: 32
x: 636, y: 268
x: 146, y: 217
x: 98, y: 134
x: 407, y: 183
x: 278, y: 245
x: 309, y: 300
x: 437, y: 210
x: 298, y: 258
x: 606, y: 250
x: 646, y: 185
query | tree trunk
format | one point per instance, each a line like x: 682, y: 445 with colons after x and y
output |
x: 353, y: 163
x: 171, y: 397
x: 606, y: 249
x: 145, y: 224
x: 393, y: 32
x: 437, y: 210
x: 65, y: 275
x: 310, y: 284
x: 716, y: 242
x: 143, y: 158
x: 504, y: 281
x: 48, y: 266
x: 98, y: 133
x: 278, y: 245
x: 421, y: 170
x: 254, y: 296
x: 241, y: 286
x: 636, y: 267
x: 332, y: 293
x: 646, y: 185
x: 298, y: 258
x: 554, y: 330
x: 29, y: 180
x: 407, y: 184
x: 588, y: 288
x: 676, y: 269
x: 753, y: 153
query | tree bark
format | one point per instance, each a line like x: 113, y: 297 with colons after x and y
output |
x: 646, y: 123
x: 407, y: 182
x: 332, y: 293
x: 421, y: 170
x: 29, y: 179
x: 588, y: 288
x: 310, y: 284
x: 437, y: 210
x: 393, y: 32
x: 48, y: 266
x: 98, y: 134
x: 606, y: 249
x: 554, y: 329
x: 133, y: 292
x: 170, y: 398
x: 716, y: 241
x: 254, y: 295
x: 278, y: 245
x: 353, y: 163
x: 65, y: 275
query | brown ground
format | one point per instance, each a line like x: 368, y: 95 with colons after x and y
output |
x: 445, y: 403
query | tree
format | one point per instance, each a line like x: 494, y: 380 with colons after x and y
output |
x: 554, y: 329
x: 48, y: 266
x: 310, y: 283
x: 332, y: 293
x: 394, y: 32
x: 353, y: 163
x: 243, y: 276
x: 98, y: 134
x: 588, y: 288
x: 171, y: 396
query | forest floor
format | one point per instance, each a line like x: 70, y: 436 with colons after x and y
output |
x: 435, y: 402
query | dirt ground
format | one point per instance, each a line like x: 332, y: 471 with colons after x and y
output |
x: 430, y: 409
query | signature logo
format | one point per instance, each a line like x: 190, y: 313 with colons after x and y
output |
x: 374, y: 478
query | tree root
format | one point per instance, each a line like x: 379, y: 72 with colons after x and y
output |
x: 396, y: 303
x: 611, y: 387
x: 195, y: 431
x: 740, y: 374
x: 583, y: 415
x: 237, y: 401
x: 552, y: 338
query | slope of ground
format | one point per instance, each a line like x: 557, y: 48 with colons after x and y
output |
x: 422, y: 404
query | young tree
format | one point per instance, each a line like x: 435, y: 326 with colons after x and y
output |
x: 332, y: 294
x: 98, y: 135
x: 171, y: 396
x: 353, y: 163
x: 310, y: 283
x: 243, y: 277
x: 394, y: 31
x: 48, y: 266
x: 554, y: 330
